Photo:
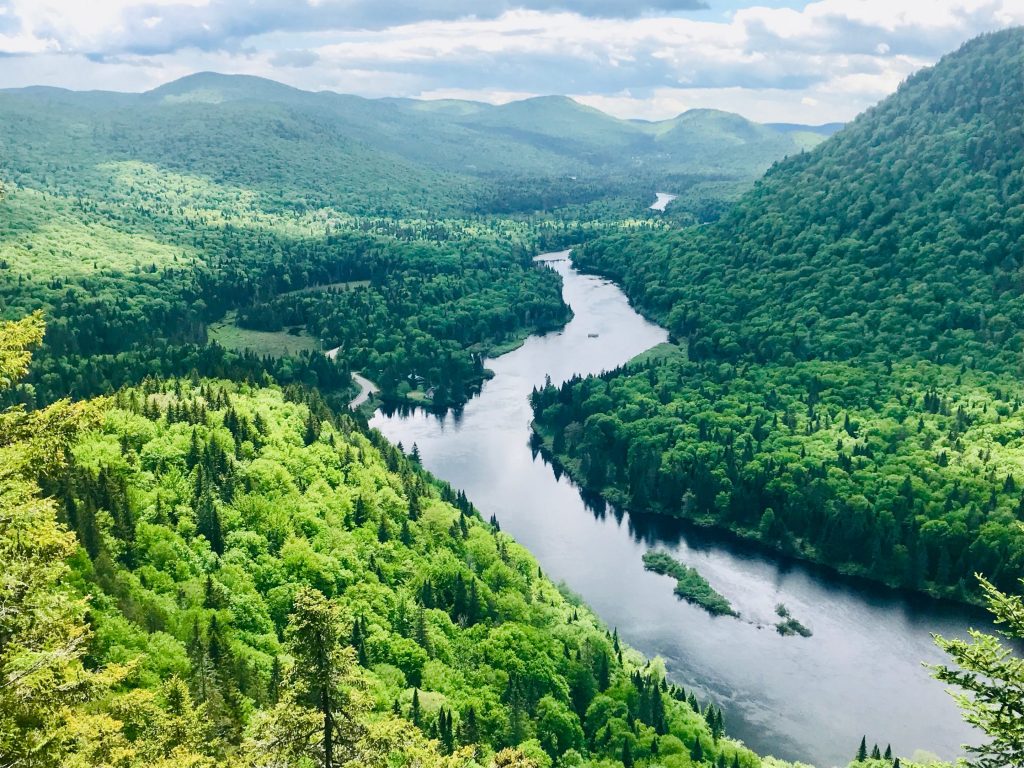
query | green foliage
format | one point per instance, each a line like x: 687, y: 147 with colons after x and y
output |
x: 219, y: 534
x: 789, y: 624
x: 690, y: 585
x: 847, y: 385
x: 320, y: 221
x: 990, y: 677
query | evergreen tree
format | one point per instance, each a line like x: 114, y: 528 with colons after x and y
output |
x: 697, y: 752
x: 862, y: 750
x: 991, y: 677
x: 324, y: 672
x: 627, y: 754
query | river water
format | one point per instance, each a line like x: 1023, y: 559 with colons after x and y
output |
x: 808, y: 699
x: 662, y: 200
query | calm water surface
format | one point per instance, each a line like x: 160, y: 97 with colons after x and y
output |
x: 797, y: 698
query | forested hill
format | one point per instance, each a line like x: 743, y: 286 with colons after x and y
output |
x: 239, y: 227
x: 227, y: 575
x: 388, y: 156
x: 899, y: 236
x: 853, y: 336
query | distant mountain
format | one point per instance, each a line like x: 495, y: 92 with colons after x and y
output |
x: 299, y: 147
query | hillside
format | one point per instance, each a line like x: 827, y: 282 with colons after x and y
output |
x: 267, y: 582
x: 370, y: 156
x: 236, y: 226
x: 847, y: 384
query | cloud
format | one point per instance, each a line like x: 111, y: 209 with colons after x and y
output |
x: 824, y: 61
x: 150, y: 27
x: 296, y: 58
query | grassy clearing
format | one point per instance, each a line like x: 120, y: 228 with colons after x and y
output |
x: 272, y: 343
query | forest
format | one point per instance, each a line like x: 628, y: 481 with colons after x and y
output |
x: 221, y: 573
x: 210, y: 560
x: 397, y: 232
x: 844, y: 384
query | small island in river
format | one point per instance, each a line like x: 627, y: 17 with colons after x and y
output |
x: 690, y: 585
x: 788, y: 625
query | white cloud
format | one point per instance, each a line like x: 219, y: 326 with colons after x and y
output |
x: 822, y: 62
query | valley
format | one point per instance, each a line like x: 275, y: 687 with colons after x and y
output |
x: 345, y: 432
x: 597, y: 550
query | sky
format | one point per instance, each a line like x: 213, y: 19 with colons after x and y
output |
x: 772, y: 61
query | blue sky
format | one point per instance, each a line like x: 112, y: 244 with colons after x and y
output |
x: 775, y: 60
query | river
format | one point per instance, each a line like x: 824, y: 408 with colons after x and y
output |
x: 797, y: 698
x: 662, y: 200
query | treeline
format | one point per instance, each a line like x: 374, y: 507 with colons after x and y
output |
x: 428, y: 316
x: 912, y: 478
x: 852, y: 345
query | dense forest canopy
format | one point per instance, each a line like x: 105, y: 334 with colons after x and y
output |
x: 213, y: 564
x: 239, y: 227
x: 234, y: 575
x: 847, y: 380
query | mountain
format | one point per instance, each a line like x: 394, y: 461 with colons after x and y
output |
x: 847, y: 382
x: 299, y: 147
x: 210, y: 208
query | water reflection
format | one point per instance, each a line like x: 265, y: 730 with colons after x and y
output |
x: 799, y: 698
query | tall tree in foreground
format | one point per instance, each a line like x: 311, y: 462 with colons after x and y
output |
x: 319, y: 716
x: 991, y: 679
x: 43, y: 634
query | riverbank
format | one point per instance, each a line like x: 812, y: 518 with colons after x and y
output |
x: 543, y: 441
x: 757, y: 675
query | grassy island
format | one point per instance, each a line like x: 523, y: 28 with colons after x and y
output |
x: 690, y: 585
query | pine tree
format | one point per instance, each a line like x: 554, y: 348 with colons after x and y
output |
x: 991, y: 676
x: 862, y: 750
x: 603, y: 672
x: 324, y: 670
x: 276, y: 674
x: 697, y: 753
x: 415, y: 715
x: 876, y: 753
x: 468, y: 732
x: 422, y: 636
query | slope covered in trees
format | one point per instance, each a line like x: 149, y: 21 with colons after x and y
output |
x: 847, y: 385
x: 379, y: 157
x: 149, y: 225
x: 269, y: 585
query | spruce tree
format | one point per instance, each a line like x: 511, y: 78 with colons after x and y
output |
x: 862, y: 750
x: 324, y: 671
x: 697, y: 752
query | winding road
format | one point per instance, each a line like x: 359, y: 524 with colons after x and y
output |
x: 367, y: 388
